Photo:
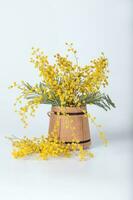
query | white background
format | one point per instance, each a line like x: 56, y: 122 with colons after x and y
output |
x: 93, y: 26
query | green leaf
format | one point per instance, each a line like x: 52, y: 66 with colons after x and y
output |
x: 101, y: 100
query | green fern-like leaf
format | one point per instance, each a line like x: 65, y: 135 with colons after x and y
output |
x: 100, y: 99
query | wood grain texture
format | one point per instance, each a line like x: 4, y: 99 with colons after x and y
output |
x: 70, y: 127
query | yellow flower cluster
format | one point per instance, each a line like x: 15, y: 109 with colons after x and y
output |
x: 64, y: 83
x: 24, y: 107
x: 69, y: 81
x: 47, y: 147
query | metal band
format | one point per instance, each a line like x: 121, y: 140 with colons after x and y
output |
x: 81, y: 142
x: 80, y: 113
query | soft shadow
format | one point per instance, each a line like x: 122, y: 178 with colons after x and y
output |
x: 113, y: 137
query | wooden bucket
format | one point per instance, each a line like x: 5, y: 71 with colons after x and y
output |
x: 70, y: 124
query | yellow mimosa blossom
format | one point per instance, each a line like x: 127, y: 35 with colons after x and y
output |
x: 46, y: 148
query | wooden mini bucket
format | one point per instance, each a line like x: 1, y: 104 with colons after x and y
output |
x: 70, y: 124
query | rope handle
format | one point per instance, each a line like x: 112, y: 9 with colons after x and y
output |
x: 49, y: 113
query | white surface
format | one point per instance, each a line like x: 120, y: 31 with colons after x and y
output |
x: 107, y: 176
x: 94, y: 26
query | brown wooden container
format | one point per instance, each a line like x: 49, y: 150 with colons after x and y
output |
x: 70, y: 124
